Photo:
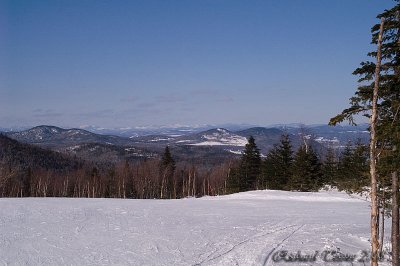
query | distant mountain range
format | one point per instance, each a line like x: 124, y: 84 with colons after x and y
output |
x: 54, y: 136
x: 185, y: 142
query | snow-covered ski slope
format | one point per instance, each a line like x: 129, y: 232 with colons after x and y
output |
x: 240, y: 229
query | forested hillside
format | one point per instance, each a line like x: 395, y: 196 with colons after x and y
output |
x: 28, y: 170
x: 23, y: 156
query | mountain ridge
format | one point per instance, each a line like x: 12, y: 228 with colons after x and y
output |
x: 215, y: 141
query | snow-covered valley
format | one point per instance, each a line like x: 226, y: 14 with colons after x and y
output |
x: 240, y: 229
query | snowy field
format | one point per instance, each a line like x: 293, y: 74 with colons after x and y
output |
x: 242, y: 229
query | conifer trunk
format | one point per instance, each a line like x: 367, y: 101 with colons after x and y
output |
x: 373, y: 120
x: 382, y: 217
x: 395, y: 188
x: 395, y: 220
x: 188, y: 188
x: 194, y: 184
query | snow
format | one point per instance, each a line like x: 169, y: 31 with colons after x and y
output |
x: 326, y: 140
x: 243, y: 229
x: 74, y: 132
x: 73, y: 148
x: 221, y: 142
x: 160, y: 139
x: 235, y: 152
x: 357, y: 132
x: 182, y: 141
x: 222, y: 138
x: 214, y: 143
x: 94, y: 148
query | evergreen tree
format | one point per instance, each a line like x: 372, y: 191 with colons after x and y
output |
x: 233, y: 181
x: 110, y: 183
x: 277, y: 165
x: 352, y: 173
x: 166, y: 159
x: 307, y: 174
x: 167, y: 169
x: 26, y: 182
x: 130, y: 189
x: 345, y: 166
x: 250, y: 166
x: 378, y: 98
x: 95, y: 178
x: 330, y: 167
x: 360, y: 167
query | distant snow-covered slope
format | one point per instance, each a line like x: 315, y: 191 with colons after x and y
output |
x: 185, y: 142
x: 240, y: 229
x: 214, y: 137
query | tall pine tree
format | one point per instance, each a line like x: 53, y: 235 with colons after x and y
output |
x: 277, y: 165
x: 352, y: 174
x: 378, y: 98
x: 167, y: 169
x: 250, y: 166
x: 330, y: 167
x: 307, y: 174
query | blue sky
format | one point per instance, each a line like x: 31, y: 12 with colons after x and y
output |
x: 134, y: 63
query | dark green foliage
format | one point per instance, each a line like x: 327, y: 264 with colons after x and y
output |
x: 277, y: 166
x: 167, y: 169
x: 388, y: 106
x: 307, y: 174
x: 24, y: 156
x: 127, y: 177
x: 345, y: 166
x: 233, y: 180
x: 349, y: 172
x: 329, y: 167
x: 353, y: 170
x: 250, y: 166
x: 167, y: 159
x: 26, y: 182
x: 110, y: 184
x: 246, y: 175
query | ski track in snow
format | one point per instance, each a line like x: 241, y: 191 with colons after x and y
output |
x: 240, y: 229
x: 243, y: 242
x: 267, y: 259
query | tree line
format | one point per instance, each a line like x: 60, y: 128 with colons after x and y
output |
x: 35, y: 172
x: 29, y: 171
x: 302, y: 170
